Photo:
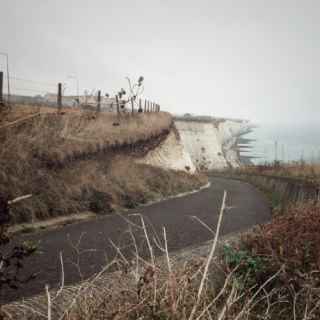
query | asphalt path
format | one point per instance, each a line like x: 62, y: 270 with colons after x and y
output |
x: 89, y: 245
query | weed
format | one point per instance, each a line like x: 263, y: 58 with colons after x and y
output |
x: 250, y: 266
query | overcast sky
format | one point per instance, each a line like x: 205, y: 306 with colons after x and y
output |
x: 255, y: 59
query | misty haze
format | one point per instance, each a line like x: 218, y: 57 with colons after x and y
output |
x: 160, y: 159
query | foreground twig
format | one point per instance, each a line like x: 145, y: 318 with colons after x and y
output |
x: 213, y: 248
x: 18, y: 199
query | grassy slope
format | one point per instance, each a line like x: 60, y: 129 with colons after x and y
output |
x: 81, y: 161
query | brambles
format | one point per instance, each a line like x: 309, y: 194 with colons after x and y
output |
x: 292, y: 239
x: 291, y: 242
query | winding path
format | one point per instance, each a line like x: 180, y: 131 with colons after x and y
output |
x: 246, y: 207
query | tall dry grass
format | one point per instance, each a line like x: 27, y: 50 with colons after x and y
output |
x: 57, y: 138
x: 305, y: 171
x: 70, y: 162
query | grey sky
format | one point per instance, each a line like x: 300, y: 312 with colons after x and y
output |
x: 247, y: 59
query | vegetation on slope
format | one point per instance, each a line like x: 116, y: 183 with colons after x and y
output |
x: 289, y: 244
x: 301, y: 170
x: 81, y: 161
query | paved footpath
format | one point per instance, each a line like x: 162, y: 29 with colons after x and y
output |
x: 87, y: 246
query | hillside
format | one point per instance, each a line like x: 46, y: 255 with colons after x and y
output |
x: 78, y: 161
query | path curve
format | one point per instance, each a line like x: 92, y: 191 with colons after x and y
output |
x: 247, y: 207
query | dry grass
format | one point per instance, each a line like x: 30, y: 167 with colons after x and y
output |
x: 310, y: 172
x: 58, y: 138
x: 79, y: 161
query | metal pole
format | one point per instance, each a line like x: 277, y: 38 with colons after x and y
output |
x: 8, y: 78
x: 1, y: 88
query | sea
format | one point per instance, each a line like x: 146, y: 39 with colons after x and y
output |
x: 285, y: 142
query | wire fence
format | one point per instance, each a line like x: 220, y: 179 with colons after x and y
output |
x: 42, y: 93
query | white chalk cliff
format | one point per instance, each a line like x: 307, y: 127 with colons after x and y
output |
x: 202, y: 143
x: 170, y: 154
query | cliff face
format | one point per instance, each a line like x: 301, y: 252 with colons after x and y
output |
x: 170, y: 154
x: 212, y: 143
x: 230, y: 132
x: 202, y: 143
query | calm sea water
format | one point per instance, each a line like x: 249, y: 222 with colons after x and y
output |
x: 294, y: 141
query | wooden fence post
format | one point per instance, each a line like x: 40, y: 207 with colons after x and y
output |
x: 99, y: 101
x: 140, y: 105
x: 118, y: 107
x: 145, y: 105
x: 132, y: 107
x: 1, y: 88
x: 59, y: 97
